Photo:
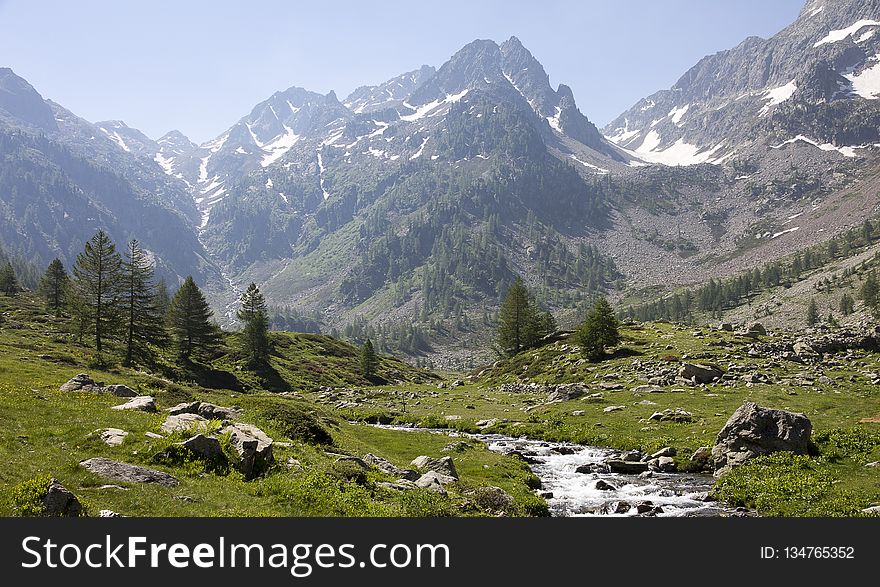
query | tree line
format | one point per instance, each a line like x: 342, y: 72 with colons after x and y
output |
x: 115, y: 301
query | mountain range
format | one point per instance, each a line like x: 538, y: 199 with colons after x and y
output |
x: 404, y: 210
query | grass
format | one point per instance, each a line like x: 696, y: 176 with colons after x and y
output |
x: 47, y: 432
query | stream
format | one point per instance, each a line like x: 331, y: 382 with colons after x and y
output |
x: 569, y: 493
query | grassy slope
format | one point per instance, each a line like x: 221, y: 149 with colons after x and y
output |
x: 839, y: 405
x: 46, y: 431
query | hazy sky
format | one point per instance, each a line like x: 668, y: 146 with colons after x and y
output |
x: 199, y: 66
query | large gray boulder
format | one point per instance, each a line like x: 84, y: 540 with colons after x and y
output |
x: 144, y: 403
x: 753, y: 430
x: 252, y: 448
x: 204, y: 447
x: 700, y: 373
x: 434, y: 481
x: 567, y: 392
x: 205, y: 410
x: 116, y: 471
x: 81, y: 382
x: 59, y: 501
x: 443, y: 465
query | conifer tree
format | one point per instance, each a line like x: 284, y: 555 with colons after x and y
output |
x: 97, y: 285
x: 190, y: 319
x: 144, y: 324
x: 8, y: 280
x: 847, y: 304
x: 520, y: 324
x: 812, y: 316
x: 369, y: 360
x: 255, y: 331
x: 53, y: 286
x: 598, y: 331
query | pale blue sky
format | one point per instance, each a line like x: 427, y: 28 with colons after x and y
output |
x: 199, y: 66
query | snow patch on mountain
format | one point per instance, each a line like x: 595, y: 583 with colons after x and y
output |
x: 845, y: 151
x: 777, y: 96
x: 678, y: 113
x: 841, y: 34
x: 424, y: 110
x: 867, y: 83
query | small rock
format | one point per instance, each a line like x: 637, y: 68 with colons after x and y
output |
x: 116, y: 471
x: 613, y: 409
x: 184, y: 422
x: 120, y: 390
x: 204, y: 447
x: 603, y: 485
x: 81, y: 382
x: 112, y: 436
x: 443, y: 465
x: 667, y: 451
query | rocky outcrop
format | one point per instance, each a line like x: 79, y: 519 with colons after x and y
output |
x: 567, y: 392
x: 205, y: 410
x: 123, y: 472
x: 120, y: 390
x: 204, y: 447
x: 753, y: 430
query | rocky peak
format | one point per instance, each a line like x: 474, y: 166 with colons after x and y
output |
x: 22, y: 103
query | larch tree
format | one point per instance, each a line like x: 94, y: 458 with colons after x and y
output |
x: 144, y: 324
x: 97, y: 287
x: 8, y: 280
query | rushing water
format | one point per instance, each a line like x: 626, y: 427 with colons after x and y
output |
x: 577, y: 494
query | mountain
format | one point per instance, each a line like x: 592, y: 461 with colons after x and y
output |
x: 815, y: 83
x: 62, y: 178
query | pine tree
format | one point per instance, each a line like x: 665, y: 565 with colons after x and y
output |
x: 144, y: 324
x: 598, y: 331
x: 53, y: 286
x: 190, y: 318
x: 255, y: 332
x: 8, y: 280
x: 812, y: 316
x: 369, y: 360
x: 96, y: 278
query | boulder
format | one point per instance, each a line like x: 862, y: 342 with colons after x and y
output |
x: 702, y: 455
x: 667, y: 451
x: 603, y: 485
x: 400, y: 485
x: 123, y: 472
x: 60, y: 501
x: 613, y: 409
x: 567, y: 392
x: 144, y: 403
x: 253, y: 449
x: 666, y: 465
x: 443, y: 465
x: 185, y: 422
x: 184, y: 408
x: 755, y: 329
x: 112, y: 436
x: 390, y: 468
x: 699, y: 373
x: 434, y: 481
x: 204, y: 447
x: 626, y: 467
x: 120, y: 390
x: 81, y: 382
x: 753, y: 430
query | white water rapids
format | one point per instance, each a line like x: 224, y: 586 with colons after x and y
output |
x: 577, y: 494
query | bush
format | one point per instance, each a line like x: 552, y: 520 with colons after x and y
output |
x: 852, y: 443
x: 295, y: 422
x: 777, y: 484
x: 27, y: 497
x: 350, y: 471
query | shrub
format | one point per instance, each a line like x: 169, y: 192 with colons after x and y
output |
x: 852, y: 443
x: 295, y: 422
x: 27, y: 497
